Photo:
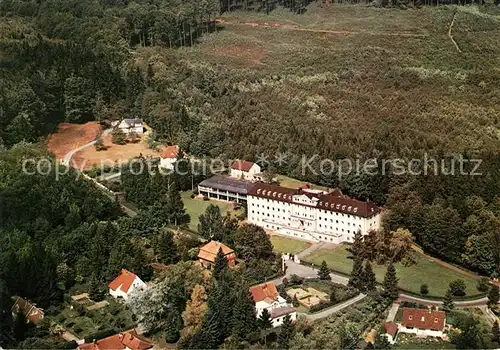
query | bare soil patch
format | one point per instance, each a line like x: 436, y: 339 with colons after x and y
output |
x: 88, y: 157
x: 253, y: 54
x: 70, y: 136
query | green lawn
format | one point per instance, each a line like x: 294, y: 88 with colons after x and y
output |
x: 290, y: 182
x: 288, y: 245
x: 196, y: 207
x: 426, y: 271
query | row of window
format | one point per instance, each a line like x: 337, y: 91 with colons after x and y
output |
x: 308, y: 208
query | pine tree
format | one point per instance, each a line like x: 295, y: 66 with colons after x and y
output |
x: 333, y: 296
x: 175, y: 206
x: 357, y: 248
x: 493, y: 296
x: 369, y: 279
x: 174, y: 325
x: 165, y: 248
x: 220, y: 265
x: 324, y: 272
x: 356, y: 274
x: 390, y: 284
x: 495, y: 331
x: 286, y: 333
x: 244, y: 321
x: 264, y: 321
x: 448, y: 304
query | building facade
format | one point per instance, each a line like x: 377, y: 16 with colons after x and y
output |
x: 310, y: 214
x: 169, y: 156
x: 266, y: 296
x: 132, y: 126
x: 224, y: 188
x: 245, y: 170
x: 125, y: 284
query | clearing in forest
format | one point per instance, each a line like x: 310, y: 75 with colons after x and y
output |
x: 70, y: 136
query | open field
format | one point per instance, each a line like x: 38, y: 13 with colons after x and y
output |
x: 288, y: 245
x: 89, y: 157
x: 196, y: 207
x: 436, y: 276
x: 70, y: 136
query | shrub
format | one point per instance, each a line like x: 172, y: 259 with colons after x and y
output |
x: 205, y: 198
x: 192, y: 196
x: 483, y: 285
x: 457, y: 287
x: 424, y: 289
x: 295, y: 280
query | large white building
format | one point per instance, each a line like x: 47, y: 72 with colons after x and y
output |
x: 310, y: 214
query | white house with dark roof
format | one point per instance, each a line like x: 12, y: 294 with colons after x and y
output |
x: 132, y: 126
x: 310, y: 214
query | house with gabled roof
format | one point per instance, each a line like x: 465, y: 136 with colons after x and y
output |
x: 32, y: 313
x: 168, y: 156
x: 126, y: 283
x: 131, y: 126
x: 209, y: 251
x: 244, y: 170
x: 423, y: 322
x: 122, y: 341
x: 266, y: 296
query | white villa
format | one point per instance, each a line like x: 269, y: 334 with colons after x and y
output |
x: 421, y: 322
x: 169, y: 156
x: 245, y: 170
x: 266, y: 296
x: 132, y: 126
x: 308, y: 214
x: 126, y: 283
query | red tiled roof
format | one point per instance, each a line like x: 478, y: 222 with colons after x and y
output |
x: 123, y: 281
x: 209, y: 251
x: 30, y: 311
x: 242, y: 165
x: 264, y: 291
x: 170, y: 152
x: 391, y: 328
x: 128, y: 340
x: 424, y: 319
x: 333, y: 201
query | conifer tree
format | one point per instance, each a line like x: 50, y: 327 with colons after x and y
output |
x: 390, y: 284
x: 356, y: 274
x: 244, y: 321
x: 493, y: 296
x: 381, y: 342
x: 285, y: 334
x: 357, y: 249
x: 448, y: 304
x: 174, y: 325
x: 165, y: 248
x: 333, y: 296
x: 324, y: 272
x: 220, y: 265
x: 369, y: 280
x: 175, y: 206
x: 495, y: 331
x: 264, y: 321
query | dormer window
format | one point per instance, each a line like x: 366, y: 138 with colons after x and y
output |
x: 356, y: 209
x: 274, y: 194
x: 279, y: 195
x: 326, y: 204
x: 423, y: 319
x: 258, y: 191
x: 343, y: 207
x: 410, y: 317
x: 338, y: 206
x: 349, y: 209
x: 435, y: 320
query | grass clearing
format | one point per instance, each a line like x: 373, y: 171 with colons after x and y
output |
x: 288, y: 245
x: 196, y: 207
x: 425, y: 271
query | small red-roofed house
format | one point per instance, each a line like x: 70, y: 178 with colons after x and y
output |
x: 244, y: 170
x: 168, y: 156
x: 123, y: 341
x: 266, y: 296
x: 423, y: 322
x: 391, y: 331
x: 126, y: 283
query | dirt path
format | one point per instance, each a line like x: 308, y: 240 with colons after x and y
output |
x: 294, y: 27
x: 450, y: 35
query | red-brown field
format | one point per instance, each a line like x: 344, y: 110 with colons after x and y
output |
x: 70, y: 136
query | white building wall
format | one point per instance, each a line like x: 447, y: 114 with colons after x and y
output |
x: 168, y: 163
x: 136, y: 285
x: 303, y: 220
x: 246, y: 175
x: 278, y: 321
x: 421, y: 332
